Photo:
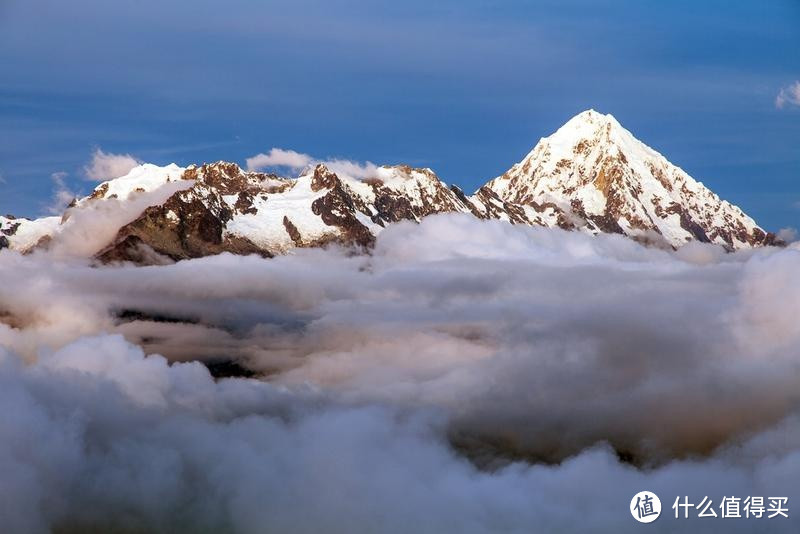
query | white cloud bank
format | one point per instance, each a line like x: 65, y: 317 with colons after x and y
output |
x: 788, y: 96
x: 468, y: 376
x: 107, y: 166
x: 296, y: 161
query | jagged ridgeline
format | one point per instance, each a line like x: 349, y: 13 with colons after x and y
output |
x: 592, y: 175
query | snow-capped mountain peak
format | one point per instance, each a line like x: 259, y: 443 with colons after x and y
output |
x: 591, y: 175
x: 141, y: 179
x: 603, y: 179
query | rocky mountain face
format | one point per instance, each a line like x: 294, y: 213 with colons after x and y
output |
x: 224, y: 208
x: 592, y: 175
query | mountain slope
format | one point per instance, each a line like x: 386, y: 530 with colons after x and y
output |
x: 24, y: 234
x: 228, y: 209
x: 592, y: 175
x: 600, y: 178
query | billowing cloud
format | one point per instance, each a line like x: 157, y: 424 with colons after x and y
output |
x: 788, y: 96
x: 278, y: 157
x: 107, y: 166
x: 63, y: 195
x: 85, y: 231
x: 467, y: 375
x: 787, y: 235
x: 354, y: 169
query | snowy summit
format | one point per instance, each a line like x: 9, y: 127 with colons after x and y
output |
x: 592, y: 175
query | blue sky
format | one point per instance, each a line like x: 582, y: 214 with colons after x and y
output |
x: 465, y: 87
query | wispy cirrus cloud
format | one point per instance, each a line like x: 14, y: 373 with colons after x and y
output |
x: 106, y: 166
x: 788, y: 96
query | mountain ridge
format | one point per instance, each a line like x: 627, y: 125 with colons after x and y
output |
x: 591, y: 175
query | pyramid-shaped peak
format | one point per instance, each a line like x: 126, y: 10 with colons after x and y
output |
x: 590, y: 120
x: 592, y: 115
x: 595, y: 170
x: 591, y: 128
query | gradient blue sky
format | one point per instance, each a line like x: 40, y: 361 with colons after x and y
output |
x: 465, y: 87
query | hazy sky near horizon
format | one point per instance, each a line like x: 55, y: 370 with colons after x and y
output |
x: 465, y: 87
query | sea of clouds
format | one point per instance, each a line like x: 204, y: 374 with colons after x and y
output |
x: 466, y: 376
